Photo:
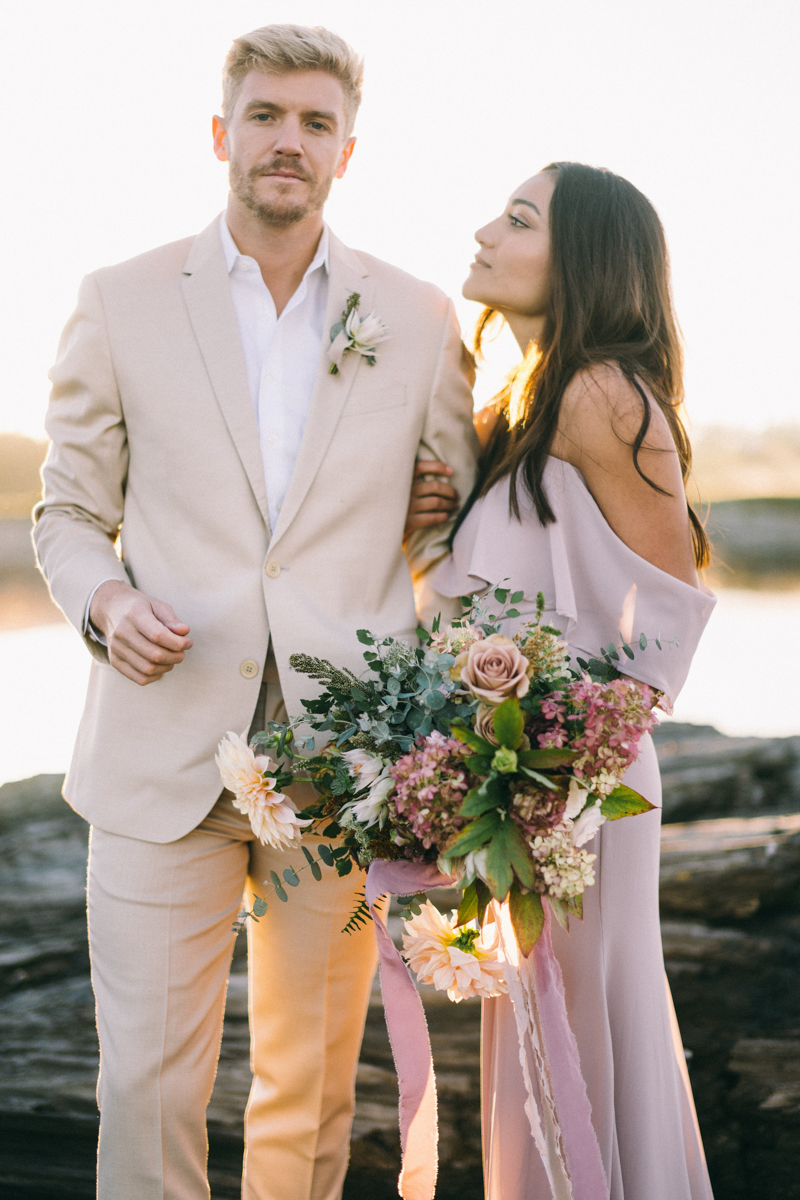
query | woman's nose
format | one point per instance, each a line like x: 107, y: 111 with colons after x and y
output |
x: 484, y: 236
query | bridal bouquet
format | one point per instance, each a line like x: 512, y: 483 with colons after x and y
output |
x: 492, y: 758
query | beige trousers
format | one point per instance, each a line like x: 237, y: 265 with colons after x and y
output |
x: 160, y: 934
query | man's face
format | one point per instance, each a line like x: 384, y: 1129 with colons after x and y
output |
x: 285, y: 143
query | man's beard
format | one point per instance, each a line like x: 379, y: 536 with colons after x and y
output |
x: 277, y: 212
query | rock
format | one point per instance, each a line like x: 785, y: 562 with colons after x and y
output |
x: 731, y: 868
x: 706, y: 774
x: 769, y: 1072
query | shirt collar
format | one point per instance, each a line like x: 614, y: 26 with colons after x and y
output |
x: 233, y: 254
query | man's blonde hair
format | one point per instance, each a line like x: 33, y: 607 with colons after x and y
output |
x: 283, y: 48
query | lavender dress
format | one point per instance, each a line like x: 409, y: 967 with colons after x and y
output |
x: 618, y: 1000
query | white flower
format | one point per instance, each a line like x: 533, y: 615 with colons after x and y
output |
x: 373, y: 807
x: 273, y: 816
x: 459, y: 961
x: 363, y: 766
x: 354, y: 332
x: 604, y: 783
x: 587, y: 825
x: 576, y: 798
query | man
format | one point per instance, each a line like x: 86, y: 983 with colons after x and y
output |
x: 258, y: 502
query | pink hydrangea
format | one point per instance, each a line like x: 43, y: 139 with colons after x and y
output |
x: 615, y: 716
x: 430, y: 785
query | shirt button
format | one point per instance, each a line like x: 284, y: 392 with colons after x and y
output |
x: 269, y: 377
x: 249, y: 668
x: 273, y: 568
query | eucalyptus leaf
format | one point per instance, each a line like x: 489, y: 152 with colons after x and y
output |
x: 290, y: 875
x: 326, y: 854
x: 260, y: 906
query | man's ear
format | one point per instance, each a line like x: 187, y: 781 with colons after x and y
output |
x: 347, y: 153
x: 218, y: 131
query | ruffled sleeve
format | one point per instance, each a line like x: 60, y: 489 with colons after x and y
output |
x: 605, y: 592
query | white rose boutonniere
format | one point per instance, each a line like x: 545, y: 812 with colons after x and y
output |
x: 357, y: 333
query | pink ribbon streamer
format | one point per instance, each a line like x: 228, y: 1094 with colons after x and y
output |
x: 411, y: 1048
x: 408, y: 1030
x: 573, y: 1110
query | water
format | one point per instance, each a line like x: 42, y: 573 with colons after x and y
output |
x: 744, y: 681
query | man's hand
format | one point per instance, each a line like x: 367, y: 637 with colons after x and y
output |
x: 145, y: 638
x: 433, y: 501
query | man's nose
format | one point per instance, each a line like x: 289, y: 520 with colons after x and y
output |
x: 289, y: 140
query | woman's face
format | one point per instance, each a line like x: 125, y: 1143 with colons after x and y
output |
x: 511, y: 271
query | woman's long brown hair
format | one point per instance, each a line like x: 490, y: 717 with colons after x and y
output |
x: 611, y: 303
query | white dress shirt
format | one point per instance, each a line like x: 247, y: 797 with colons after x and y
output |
x: 281, y: 354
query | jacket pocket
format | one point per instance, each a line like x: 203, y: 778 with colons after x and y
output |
x: 366, y: 399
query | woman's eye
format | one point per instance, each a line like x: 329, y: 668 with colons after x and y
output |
x: 515, y: 221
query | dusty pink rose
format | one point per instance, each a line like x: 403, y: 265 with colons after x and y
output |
x: 494, y: 669
x: 484, y: 724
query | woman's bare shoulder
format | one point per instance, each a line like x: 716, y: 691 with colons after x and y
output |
x: 601, y: 414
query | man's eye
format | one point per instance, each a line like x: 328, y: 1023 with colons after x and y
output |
x: 317, y: 125
x: 263, y: 117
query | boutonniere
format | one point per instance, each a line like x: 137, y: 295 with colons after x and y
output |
x: 353, y: 332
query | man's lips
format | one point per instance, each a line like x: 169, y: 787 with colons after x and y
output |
x: 284, y: 175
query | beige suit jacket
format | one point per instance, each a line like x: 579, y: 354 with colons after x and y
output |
x: 154, y: 440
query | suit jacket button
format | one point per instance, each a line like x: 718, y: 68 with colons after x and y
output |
x: 249, y: 668
x: 273, y: 568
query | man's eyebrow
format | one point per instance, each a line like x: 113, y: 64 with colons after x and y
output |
x: 529, y: 203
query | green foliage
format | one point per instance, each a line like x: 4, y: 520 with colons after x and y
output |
x: 290, y: 875
x: 492, y: 793
x: 527, y: 917
x: 360, y: 914
x: 474, y: 835
x: 470, y: 738
x: 560, y: 911
x: 504, y: 760
x: 508, y: 723
x: 259, y: 906
x: 546, y: 759
x: 624, y: 802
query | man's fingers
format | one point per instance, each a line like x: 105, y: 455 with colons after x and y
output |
x: 146, y: 648
x: 166, y: 615
x: 426, y: 466
x: 134, y: 667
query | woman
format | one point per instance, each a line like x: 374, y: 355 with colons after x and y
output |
x: 581, y: 495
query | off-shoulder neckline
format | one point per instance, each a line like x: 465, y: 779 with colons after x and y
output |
x: 702, y: 590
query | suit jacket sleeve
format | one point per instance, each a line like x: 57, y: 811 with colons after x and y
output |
x: 80, y: 515
x: 449, y: 436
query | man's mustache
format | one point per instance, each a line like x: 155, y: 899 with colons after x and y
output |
x: 272, y: 167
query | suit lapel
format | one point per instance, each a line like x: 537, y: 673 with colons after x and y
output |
x: 347, y: 274
x: 207, y: 293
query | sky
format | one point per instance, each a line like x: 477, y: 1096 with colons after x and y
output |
x: 108, y: 153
